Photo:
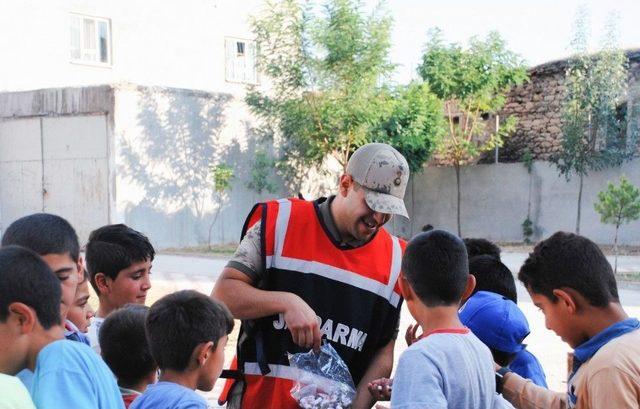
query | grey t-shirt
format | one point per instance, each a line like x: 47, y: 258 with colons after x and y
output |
x: 446, y: 370
x: 248, y: 259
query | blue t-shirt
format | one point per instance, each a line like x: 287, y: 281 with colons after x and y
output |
x: 446, y: 369
x: 69, y: 374
x: 168, y: 395
x: 526, y: 365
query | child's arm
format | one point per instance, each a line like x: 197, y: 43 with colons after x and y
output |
x: 379, y: 367
x: 524, y: 394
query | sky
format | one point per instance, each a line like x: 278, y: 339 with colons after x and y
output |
x: 538, y: 30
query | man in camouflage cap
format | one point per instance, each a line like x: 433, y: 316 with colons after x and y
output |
x: 310, y: 270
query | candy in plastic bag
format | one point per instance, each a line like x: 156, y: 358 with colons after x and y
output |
x: 324, y: 381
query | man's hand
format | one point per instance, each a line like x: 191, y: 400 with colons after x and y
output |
x: 411, y: 334
x: 380, y: 389
x: 302, y: 322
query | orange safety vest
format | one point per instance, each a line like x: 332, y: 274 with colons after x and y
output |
x: 354, y: 292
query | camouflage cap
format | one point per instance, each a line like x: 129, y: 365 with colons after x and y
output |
x: 384, y: 173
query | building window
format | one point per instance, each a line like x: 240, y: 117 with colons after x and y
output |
x: 241, y: 61
x: 90, y: 40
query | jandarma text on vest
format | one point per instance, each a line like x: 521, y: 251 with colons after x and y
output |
x: 343, y: 334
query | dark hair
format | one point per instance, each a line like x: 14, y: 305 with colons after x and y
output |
x: 503, y: 358
x: 477, y: 247
x: 427, y: 227
x: 435, y: 265
x: 113, y: 248
x: 492, y: 275
x: 569, y: 260
x: 179, y: 322
x: 124, y: 345
x: 43, y: 233
x: 27, y: 279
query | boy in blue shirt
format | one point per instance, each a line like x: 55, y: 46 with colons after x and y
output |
x: 187, y: 333
x: 125, y: 349
x: 66, y: 374
x: 448, y: 367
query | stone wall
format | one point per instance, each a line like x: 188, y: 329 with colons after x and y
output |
x: 538, y: 106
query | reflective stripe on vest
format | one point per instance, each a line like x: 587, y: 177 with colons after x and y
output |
x: 344, y: 276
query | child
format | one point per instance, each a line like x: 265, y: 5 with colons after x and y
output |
x: 119, y: 264
x: 187, y: 332
x: 492, y: 275
x: 55, y: 240
x: 65, y: 373
x: 448, y: 366
x: 80, y: 312
x: 126, y: 351
x: 60, y: 249
x: 572, y: 283
x: 476, y: 247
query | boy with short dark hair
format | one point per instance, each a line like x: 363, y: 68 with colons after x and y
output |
x: 65, y: 373
x: 126, y: 351
x: 477, y: 247
x: 492, y: 275
x: 448, y: 366
x: 573, y: 284
x: 55, y: 240
x: 119, y: 263
x: 187, y: 332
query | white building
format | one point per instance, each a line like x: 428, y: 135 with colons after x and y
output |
x: 113, y: 111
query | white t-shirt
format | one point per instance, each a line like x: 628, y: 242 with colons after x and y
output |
x: 94, y: 330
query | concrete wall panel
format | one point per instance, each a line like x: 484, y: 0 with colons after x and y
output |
x: 20, y: 140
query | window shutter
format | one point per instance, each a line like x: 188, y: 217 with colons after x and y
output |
x: 230, y: 57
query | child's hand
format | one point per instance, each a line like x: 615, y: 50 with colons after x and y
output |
x: 380, y: 389
x: 410, y: 336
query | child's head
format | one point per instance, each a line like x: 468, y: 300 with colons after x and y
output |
x: 55, y: 240
x: 497, y: 322
x: 29, y: 306
x: 477, y: 247
x: 125, y: 349
x: 436, y: 268
x: 119, y: 263
x: 187, y: 332
x: 492, y: 275
x: 81, y: 312
x: 567, y: 275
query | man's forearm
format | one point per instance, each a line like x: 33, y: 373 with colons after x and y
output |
x: 245, y: 301
x: 380, y: 367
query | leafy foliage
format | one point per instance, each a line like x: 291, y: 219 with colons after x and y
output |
x: 471, y: 83
x: 326, y: 70
x: 260, y: 174
x: 618, y: 205
x: 592, y: 132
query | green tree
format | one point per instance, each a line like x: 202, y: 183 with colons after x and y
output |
x: 618, y: 205
x: 326, y: 71
x: 472, y: 83
x: 413, y: 123
x: 592, y: 132
x: 260, y: 174
x: 221, y: 175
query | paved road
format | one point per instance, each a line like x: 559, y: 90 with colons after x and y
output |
x: 172, y: 273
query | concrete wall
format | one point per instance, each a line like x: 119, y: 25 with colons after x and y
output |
x: 172, y: 43
x: 167, y: 140
x: 54, y: 156
x: 494, y: 202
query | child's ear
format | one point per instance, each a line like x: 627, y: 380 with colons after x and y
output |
x: 407, y: 291
x: 203, y: 351
x: 23, y: 317
x: 102, y: 282
x: 567, y: 300
x: 471, y: 285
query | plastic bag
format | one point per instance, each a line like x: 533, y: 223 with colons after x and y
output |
x: 324, y: 381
